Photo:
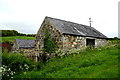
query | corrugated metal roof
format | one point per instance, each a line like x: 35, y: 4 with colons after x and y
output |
x: 25, y: 43
x: 67, y: 27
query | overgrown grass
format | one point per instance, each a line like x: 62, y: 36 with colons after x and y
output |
x: 16, y: 63
x: 12, y: 38
x: 97, y: 63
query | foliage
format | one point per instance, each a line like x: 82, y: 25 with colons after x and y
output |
x: 14, y: 33
x: 9, y: 33
x: 115, y: 41
x: 49, y: 44
x: 96, y: 63
x: 7, y: 73
x: 16, y: 63
x: 8, y: 42
x: 31, y: 35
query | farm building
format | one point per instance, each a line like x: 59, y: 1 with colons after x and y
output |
x: 69, y: 35
x: 6, y: 46
x: 24, y: 46
x: 66, y: 34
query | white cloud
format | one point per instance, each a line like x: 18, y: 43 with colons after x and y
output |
x: 32, y: 12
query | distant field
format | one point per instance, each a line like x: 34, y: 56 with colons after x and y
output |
x: 12, y: 38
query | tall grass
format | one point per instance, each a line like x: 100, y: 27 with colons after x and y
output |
x: 96, y: 63
x: 16, y: 63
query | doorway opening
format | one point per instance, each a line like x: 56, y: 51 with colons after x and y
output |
x: 90, y: 42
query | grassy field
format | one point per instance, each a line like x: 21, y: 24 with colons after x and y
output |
x: 97, y: 63
x: 12, y: 38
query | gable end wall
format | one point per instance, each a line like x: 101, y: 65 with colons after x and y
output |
x: 55, y: 34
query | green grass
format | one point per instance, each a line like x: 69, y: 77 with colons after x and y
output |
x: 16, y: 63
x: 97, y: 63
x: 12, y: 38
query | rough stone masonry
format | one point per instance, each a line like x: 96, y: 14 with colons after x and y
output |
x: 66, y: 34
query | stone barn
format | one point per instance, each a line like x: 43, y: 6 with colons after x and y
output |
x: 69, y: 35
x: 24, y: 46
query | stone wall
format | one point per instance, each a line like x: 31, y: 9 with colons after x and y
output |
x: 54, y: 33
x: 100, y: 42
x: 70, y: 42
x: 28, y: 52
x: 78, y: 42
x: 15, y: 47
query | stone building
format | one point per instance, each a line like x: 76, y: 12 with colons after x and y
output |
x: 24, y: 46
x: 68, y: 35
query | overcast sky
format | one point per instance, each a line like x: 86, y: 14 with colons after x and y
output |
x: 26, y: 16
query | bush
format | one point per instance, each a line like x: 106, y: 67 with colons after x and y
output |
x: 16, y: 63
x: 49, y: 44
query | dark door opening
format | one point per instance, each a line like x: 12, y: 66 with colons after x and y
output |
x: 90, y: 42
